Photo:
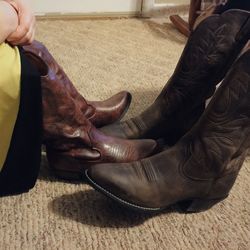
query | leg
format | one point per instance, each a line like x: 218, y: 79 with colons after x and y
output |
x: 22, y: 164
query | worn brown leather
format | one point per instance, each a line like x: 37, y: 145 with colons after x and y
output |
x: 208, y: 54
x: 201, y: 168
x: 68, y: 133
x: 70, y: 160
x: 100, y: 113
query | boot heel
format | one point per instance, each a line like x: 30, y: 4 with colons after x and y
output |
x: 199, y: 205
x: 65, y: 167
x: 219, y: 191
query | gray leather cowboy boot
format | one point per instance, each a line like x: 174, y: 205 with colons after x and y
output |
x: 201, y: 168
x: 209, y: 53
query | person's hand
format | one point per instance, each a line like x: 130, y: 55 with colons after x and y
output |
x: 25, y: 31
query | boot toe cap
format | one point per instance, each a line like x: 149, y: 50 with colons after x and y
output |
x: 108, y: 179
x: 119, y: 182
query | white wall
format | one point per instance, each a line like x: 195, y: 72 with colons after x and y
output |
x: 173, y: 2
x: 152, y: 5
x: 85, y: 6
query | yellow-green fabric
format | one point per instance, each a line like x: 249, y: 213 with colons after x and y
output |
x: 10, y: 77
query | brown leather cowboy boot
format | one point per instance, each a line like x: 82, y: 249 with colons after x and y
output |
x: 201, y: 168
x: 100, y: 113
x: 209, y: 53
x: 73, y: 143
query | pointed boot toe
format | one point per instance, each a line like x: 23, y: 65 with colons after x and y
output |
x: 110, y: 110
x: 70, y: 164
x: 108, y: 179
x: 120, y: 150
x: 119, y: 182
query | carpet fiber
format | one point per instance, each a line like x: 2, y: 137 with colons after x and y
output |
x: 103, y: 57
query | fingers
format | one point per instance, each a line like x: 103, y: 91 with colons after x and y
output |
x: 25, y: 31
x: 23, y: 35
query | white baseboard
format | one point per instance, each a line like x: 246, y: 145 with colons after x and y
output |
x: 163, y: 11
x: 94, y: 15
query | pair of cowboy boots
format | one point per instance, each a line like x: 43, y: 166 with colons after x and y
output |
x: 72, y: 140
x: 209, y: 146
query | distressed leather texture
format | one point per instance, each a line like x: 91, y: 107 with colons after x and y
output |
x: 209, y: 53
x: 202, y: 167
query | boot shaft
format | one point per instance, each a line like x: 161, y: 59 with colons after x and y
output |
x: 63, y: 117
x: 222, y: 134
x: 210, y: 51
x: 57, y: 76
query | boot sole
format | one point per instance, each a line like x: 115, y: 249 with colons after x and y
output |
x: 186, y: 206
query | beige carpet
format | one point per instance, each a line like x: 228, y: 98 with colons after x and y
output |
x: 103, y: 57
